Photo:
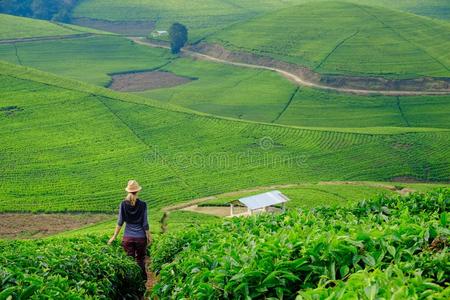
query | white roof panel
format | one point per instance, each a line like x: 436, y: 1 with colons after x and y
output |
x: 264, y: 200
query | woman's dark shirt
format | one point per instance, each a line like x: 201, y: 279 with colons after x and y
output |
x: 135, y: 217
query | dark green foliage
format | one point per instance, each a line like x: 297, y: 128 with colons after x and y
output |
x: 76, y: 268
x: 390, y: 247
x: 55, y: 10
x: 178, y: 34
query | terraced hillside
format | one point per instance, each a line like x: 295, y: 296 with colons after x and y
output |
x: 204, y: 17
x: 12, y: 27
x: 343, y: 38
x: 68, y: 146
x: 258, y: 95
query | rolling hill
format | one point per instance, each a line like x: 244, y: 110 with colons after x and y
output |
x: 89, y: 59
x: 67, y: 147
x: 12, y: 27
x: 258, y: 95
x: 338, y: 38
x: 204, y: 17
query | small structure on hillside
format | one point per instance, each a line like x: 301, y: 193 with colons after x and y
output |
x: 261, y: 203
x: 158, y: 33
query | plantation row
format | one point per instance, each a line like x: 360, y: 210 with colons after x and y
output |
x: 70, y: 268
x: 72, y: 147
x: 388, y: 247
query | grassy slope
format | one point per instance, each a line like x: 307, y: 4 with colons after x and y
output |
x: 343, y: 38
x: 72, y: 146
x: 12, y: 27
x: 201, y: 16
x: 204, y: 17
x: 226, y: 90
x: 89, y: 59
x: 314, y: 108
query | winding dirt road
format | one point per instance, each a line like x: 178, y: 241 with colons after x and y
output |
x: 292, y: 77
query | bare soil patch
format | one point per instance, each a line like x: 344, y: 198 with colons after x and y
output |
x: 143, y: 81
x: 13, y: 225
x: 135, y: 28
x: 349, y: 83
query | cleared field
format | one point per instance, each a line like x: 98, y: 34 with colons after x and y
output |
x: 345, y: 38
x: 71, y: 146
x: 204, y: 17
x: 31, y: 226
x: 12, y: 27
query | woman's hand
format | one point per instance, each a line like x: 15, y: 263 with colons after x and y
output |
x: 149, y: 240
x: 116, y: 233
x: 111, y: 240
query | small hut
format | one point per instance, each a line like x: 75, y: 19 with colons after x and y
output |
x: 261, y: 203
x: 158, y: 33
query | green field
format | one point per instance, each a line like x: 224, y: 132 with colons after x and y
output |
x: 204, y: 17
x: 344, y: 38
x: 243, y: 93
x: 351, y: 164
x: 89, y: 59
x: 226, y: 90
x: 82, y: 141
x: 201, y: 16
x: 12, y: 27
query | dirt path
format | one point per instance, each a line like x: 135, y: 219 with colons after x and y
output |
x: 294, y: 78
x: 151, y: 277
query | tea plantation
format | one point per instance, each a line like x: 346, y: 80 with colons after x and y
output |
x: 83, y: 268
x: 388, y: 247
x: 205, y: 17
x: 346, y: 38
x: 64, y: 142
x: 257, y: 95
x: 89, y: 59
x: 367, y: 174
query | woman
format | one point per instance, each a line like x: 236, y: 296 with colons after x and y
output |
x: 133, y: 212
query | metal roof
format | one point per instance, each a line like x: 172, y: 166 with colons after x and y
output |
x: 264, y: 200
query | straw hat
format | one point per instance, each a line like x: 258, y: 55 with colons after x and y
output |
x: 133, y: 186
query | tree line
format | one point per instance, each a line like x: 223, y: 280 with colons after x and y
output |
x: 55, y: 10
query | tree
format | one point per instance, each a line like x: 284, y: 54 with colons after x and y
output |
x: 178, y: 34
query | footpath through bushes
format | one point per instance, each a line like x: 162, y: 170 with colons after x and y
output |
x: 388, y: 247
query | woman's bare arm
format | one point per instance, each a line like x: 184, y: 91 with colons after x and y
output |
x: 116, y: 233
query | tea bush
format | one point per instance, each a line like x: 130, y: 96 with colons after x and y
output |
x: 67, y: 268
x: 390, y: 247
